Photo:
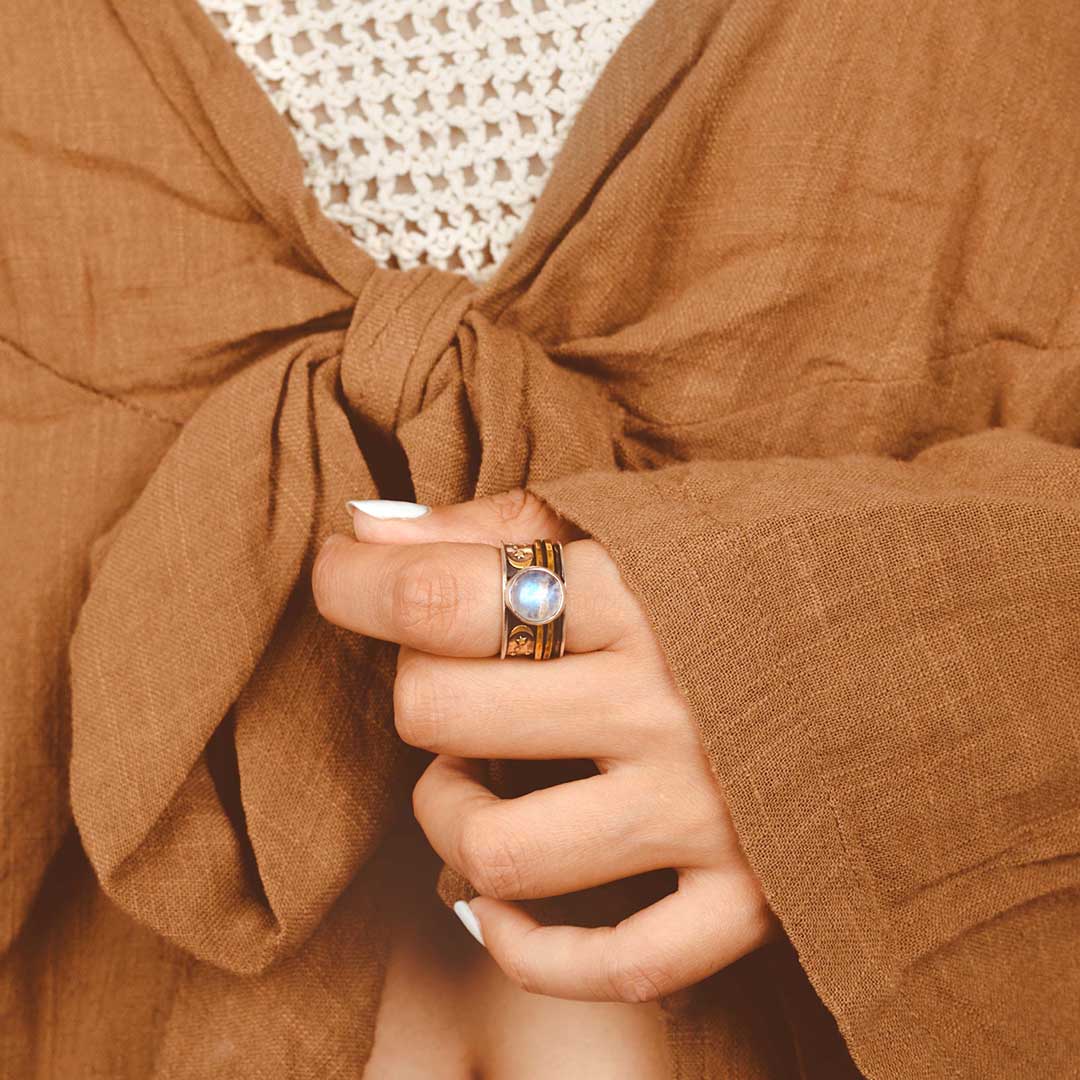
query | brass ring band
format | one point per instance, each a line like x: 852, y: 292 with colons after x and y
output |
x: 534, y: 601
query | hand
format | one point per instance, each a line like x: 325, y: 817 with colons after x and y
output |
x: 432, y: 585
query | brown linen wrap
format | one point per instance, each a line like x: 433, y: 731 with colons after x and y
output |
x: 794, y: 331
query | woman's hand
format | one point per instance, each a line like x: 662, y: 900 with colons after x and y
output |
x: 432, y: 584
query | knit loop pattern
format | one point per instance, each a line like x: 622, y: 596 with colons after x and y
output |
x: 428, y: 127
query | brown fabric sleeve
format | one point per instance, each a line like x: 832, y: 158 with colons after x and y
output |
x: 798, y: 302
x: 884, y: 659
x: 783, y: 239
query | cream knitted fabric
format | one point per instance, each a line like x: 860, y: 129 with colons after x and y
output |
x: 428, y: 127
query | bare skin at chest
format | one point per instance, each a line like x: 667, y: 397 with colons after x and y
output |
x: 449, y: 1013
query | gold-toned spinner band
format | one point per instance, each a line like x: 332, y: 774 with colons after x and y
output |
x: 534, y: 601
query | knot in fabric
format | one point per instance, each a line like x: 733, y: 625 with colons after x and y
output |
x: 202, y: 606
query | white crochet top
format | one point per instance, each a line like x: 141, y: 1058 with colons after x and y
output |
x: 428, y: 127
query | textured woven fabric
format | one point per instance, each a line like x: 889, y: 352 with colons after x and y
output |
x: 427, y: 127
x: 793, y: 330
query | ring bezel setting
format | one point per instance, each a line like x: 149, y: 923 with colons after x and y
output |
x: 534, y: 615
x: 533, y: 600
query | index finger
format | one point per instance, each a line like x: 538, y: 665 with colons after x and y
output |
x: 446, y: 598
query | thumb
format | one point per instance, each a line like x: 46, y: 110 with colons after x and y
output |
x: 514, y: 517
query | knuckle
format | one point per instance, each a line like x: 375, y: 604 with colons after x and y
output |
x: 610, y: 603
x: 418, y: 799
x: 635, y: 981
x: 517, y: 969
x: 418, y: 705
x: 656, y: 714
x: 693, y: 823
x: 425, y: 797
x: 492, y: 857
x: 761, y: 924
x: 706, y: 813
x: 705, y: 838
x: 326, y: 579
x: 514, y: 505
x: 425, y: 595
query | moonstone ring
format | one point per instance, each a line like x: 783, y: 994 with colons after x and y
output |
x: 534, y: 600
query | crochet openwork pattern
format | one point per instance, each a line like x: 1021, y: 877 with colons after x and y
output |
x: 428, y: 127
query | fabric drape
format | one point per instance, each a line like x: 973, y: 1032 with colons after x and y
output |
x: 793, y: 331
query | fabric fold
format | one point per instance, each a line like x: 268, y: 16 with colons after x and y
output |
x: 189, y: 609
x: 793, y: 330
x: 200, y: 605
x: 882, y: 657
x: 434, y: 386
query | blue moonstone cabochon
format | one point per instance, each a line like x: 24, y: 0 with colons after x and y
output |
x: 535, y: 596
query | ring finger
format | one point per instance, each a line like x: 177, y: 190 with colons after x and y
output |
x: 555, y: 840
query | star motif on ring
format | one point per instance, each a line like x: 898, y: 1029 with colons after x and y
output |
x: 520, y: 555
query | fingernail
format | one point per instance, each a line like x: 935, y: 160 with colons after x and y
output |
x: 388, y: 508
x: 472, y: 924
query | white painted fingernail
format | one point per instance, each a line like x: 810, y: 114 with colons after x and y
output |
x: 388, y: 508
x: 472, y: 924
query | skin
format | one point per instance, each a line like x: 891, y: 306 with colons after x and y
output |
x: 448, y: 1012
x: 431, y: 585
